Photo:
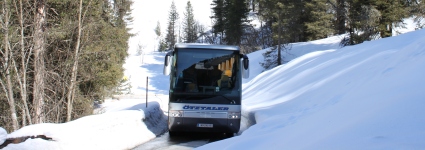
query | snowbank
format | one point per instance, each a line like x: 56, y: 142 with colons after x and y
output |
x: 367, y: 96
x: 3, y: 135
x: 111, y: 130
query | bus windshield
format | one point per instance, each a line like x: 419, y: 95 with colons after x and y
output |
x: 205, y: 76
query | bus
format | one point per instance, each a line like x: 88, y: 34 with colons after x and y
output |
x: 205, y: 88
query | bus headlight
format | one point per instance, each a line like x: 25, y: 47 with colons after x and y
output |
x: 175, y: 113
x: 234, y: 115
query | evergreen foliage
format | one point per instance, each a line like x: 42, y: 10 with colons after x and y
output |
x: 339, y: 7
x: 190, y: 33
x: 319, y: 23
x: 299, y: 21
x: 363, y: 23
x: 235, y: 20
x: 161, y: 44
x: 270, y: 57
x: 230, y: 20
x: 392, y: 14
x: 171, y: 37
x: 418, y: 12
x: 158, y: 29
x: 218, y: 17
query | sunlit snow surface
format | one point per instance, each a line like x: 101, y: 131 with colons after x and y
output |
x: 368, y: 96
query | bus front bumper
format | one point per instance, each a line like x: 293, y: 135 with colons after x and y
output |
x: 185, y: 124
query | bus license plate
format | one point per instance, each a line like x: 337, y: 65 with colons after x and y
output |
x: 202, y: 125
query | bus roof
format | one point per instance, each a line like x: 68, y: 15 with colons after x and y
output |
x: 206, y: 46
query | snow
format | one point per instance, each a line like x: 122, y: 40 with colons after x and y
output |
x: 367, y: 96
x: 111, y: 130
x: 3, y: 135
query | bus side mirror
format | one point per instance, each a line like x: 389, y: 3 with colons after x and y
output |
x: 245, y: 69
x: 167, y: 63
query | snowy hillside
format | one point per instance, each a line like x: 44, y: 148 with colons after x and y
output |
x: 368, y: 96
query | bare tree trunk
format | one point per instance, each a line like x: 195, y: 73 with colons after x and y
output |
x: 24, y: 65
x: 70, y: 95
x: 7, y: 54
x: 39, y: 66
x: 23, y: 77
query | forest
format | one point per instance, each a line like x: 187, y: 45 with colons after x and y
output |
x: 259, y: 24
x: 59, y: 56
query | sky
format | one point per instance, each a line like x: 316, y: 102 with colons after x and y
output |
x: 146, y: 14
x: 367, y: 96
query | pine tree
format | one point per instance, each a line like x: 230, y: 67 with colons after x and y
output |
x: 158, y: 29
x: 189, y: 25
x: 158, y: 35
x: 171, y: 37
x: 392, y: 13
x: 230, y: 19
x: 418, y: 12
x: 362, y: 21
x: 340, y: 16
x: 235, y: 20
x: 284, y: 19
x: 218, y: 18
x: 319, y: 24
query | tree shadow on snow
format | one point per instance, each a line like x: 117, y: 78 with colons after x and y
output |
x: 157, y: 80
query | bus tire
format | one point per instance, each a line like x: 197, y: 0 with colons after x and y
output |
x: 229, y: 134
x: 172, y: 133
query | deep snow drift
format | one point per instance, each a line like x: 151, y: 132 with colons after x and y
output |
x: 3, y: 135
x: 123, y: 129
x: 367, y: 96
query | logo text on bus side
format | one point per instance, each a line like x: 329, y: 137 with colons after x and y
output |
x: 204, y: 108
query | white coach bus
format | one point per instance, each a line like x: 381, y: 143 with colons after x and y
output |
x: 205, y: 88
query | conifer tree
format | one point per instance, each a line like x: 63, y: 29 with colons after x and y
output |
x: 171, y: 37
x: 392, y: 13
x: 235, y: 20
x: 158, y: 35
x: 340, y: 16
x: 418, y: 12
x: 189, y: 25
x: 218, y: 18
x: 158, y: 29
x: 319, y: 24
x: 230, y: 19
x: 362, y: 22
